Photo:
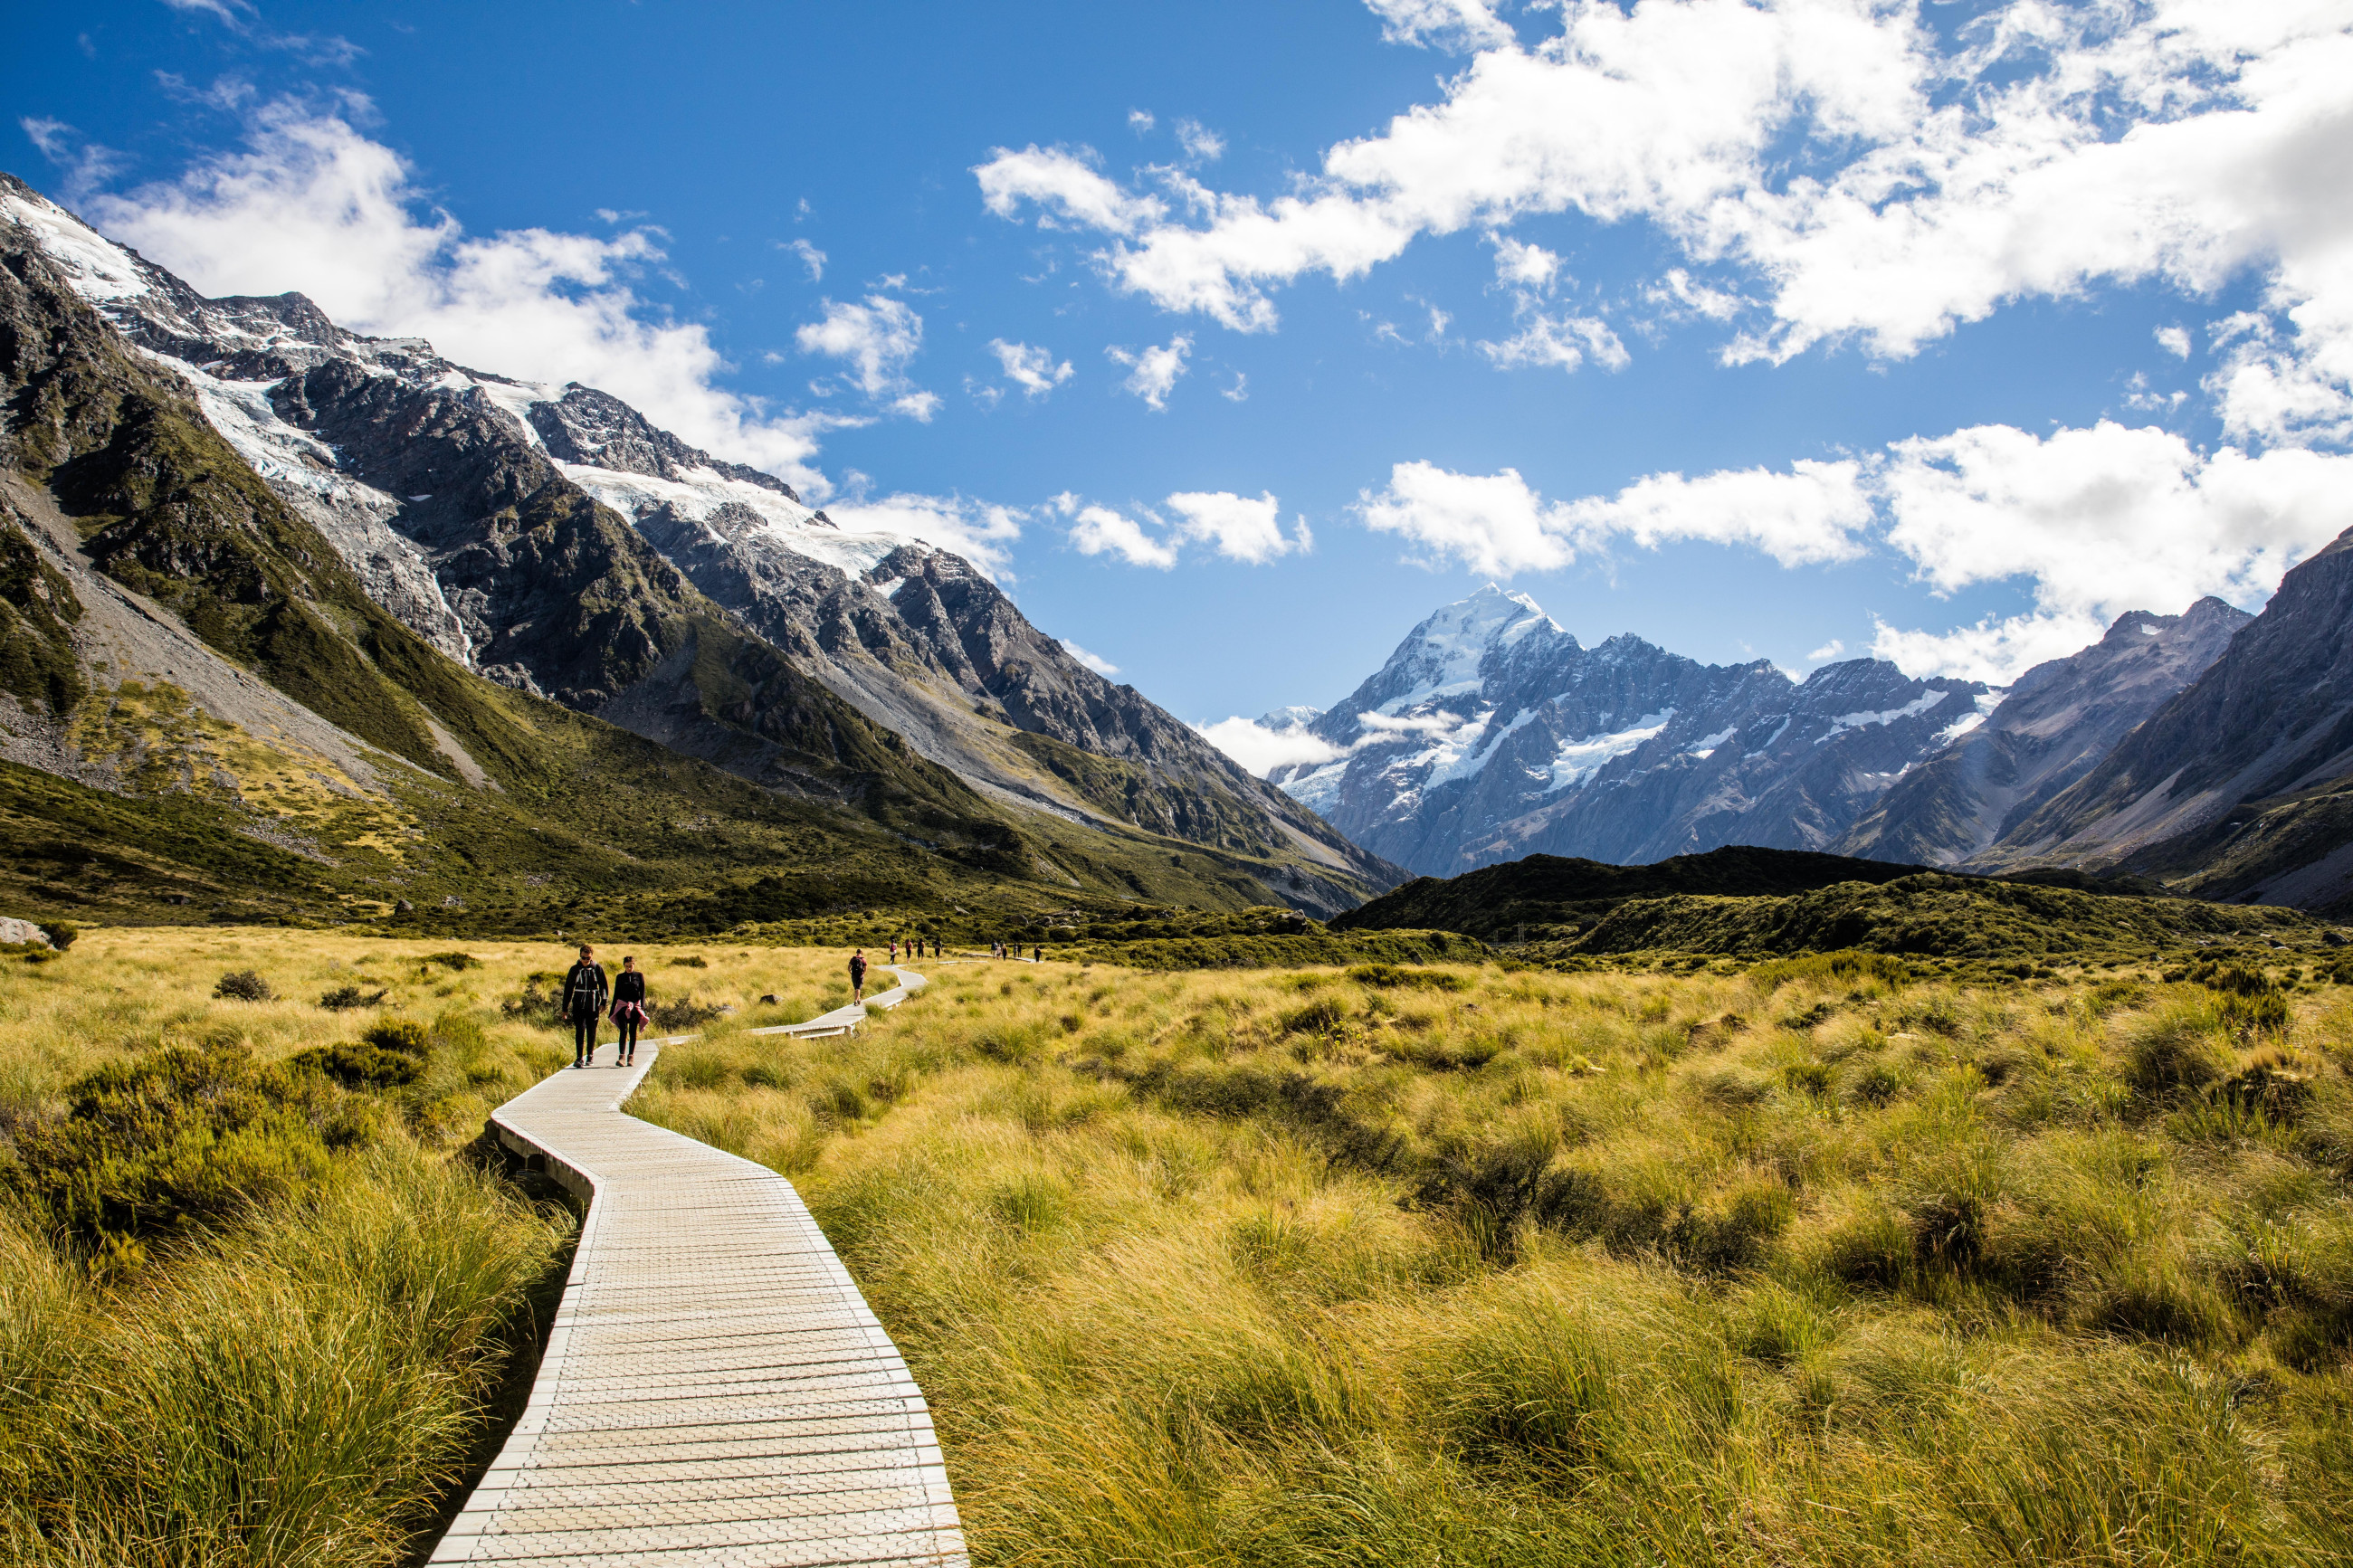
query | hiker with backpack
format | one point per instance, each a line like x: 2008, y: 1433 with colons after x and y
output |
x: 857, y: 976
x: 584, y: 990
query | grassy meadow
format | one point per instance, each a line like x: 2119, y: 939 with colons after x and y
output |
x: 1808, y: 1262
x: 261, y: 1299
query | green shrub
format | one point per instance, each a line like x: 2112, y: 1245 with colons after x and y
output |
x: 1390, y: 975
x: 403, y: 1036
x: 183, y: 1138
x: 243, y: 985
x: 62, y: 934
x: 345, y: 997
x: 691, y: 961
x: 1844, y: 967
x: 454, y: 960
x: 361, y: 1067
x: 1320, y: 1017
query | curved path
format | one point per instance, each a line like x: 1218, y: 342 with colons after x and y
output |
x: 714, y: 1390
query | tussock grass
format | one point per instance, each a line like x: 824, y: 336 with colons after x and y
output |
x: 258, y: 1306
x: 1809, y: 1267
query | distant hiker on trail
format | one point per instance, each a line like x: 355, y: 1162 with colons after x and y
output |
x: 857, y: 976
x: 584, y: 1000
x: 895, y: 950
x: 1036, y: 955
x: 629, y: 1011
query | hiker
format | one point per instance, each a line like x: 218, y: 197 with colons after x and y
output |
x: 583, y: 1000
x: 857, y: 976
x: 895, y: 950
x: 1036, y: 955
x: 629, y: 1011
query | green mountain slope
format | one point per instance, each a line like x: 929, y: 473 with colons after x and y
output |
x: 204, y: 712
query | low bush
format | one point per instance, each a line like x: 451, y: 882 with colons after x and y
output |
x: 455, y: 962
x: 346, y: 997
x: 362, y: 1066
x: 243, y: 985
x: 1390, y: 975
x: 399, y: 1036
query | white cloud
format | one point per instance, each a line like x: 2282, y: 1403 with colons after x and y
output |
x: 1239, y: 391
x: 980, y: 532
x: 2096, y: 521
x: 1236, y: 527
x: 1498, y: 525
x: 1449, y: 23
x: 1201, y: 145
x: 2174, y: 340
x: 1544, y: 342
x: 1829, y: 649
x: 85, y: 164
x: 1155, y: 373
x: 1067, y: 185
x: 1140, y: 121
x: 1031, y: 369
x: 877, y: 338
x: 811, y: 257
x: 1099, y: 531
x: 311, y: 204
x: 1093, y: 661
x: 2088, y: 523
x: 1260, y: 750
x: 1523, y: 266
x: 231, y: 14
x: 1878, y: 178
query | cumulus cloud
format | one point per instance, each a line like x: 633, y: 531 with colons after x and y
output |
x: 1068, y: 189
x: 980, y: 532
x: 308, y: 203
x: 1100, y: 531
x: 1448, y: 23
x: 1876, y: 178
x: 1236, y: 527
x: 1523, y: 266
x: 2088, y: 523
x: 1140, y: 121
x: 2174, y: 340
x: 2094, y: 521
x: 1498, y: 525
x: 876, y: 339
x: 1154, y: 374
x: 1260, y: 750
x: 1093, y: 661
x: 1033, y: 370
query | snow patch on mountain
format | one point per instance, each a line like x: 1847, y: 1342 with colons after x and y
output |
x: 1580, y: 760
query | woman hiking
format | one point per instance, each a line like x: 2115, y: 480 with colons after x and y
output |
x: 857, y: 976
x: 629, y: 1011
x: 584, y: 1000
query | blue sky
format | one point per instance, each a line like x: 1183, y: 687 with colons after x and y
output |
x: 1788, y: 330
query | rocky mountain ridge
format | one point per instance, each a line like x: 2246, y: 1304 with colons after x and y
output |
x: 2055, y: 723
x: 553, y: 541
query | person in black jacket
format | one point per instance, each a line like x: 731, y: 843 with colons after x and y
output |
x: 857, y: 976
x: 629, y: 1011
x: 584, y: 1002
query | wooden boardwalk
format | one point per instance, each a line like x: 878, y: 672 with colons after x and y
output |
x: 714, y: 1390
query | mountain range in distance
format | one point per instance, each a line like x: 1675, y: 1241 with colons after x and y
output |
x: 2207, y: 751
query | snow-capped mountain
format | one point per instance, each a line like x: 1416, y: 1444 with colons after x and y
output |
x: 1493, y: 733
x: 555, y: 541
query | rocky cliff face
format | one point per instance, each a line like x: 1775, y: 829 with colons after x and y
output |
x: 2242, y: 785
x: 1492, y: 733
x: 553, y: 540
x: 2053, y: 726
